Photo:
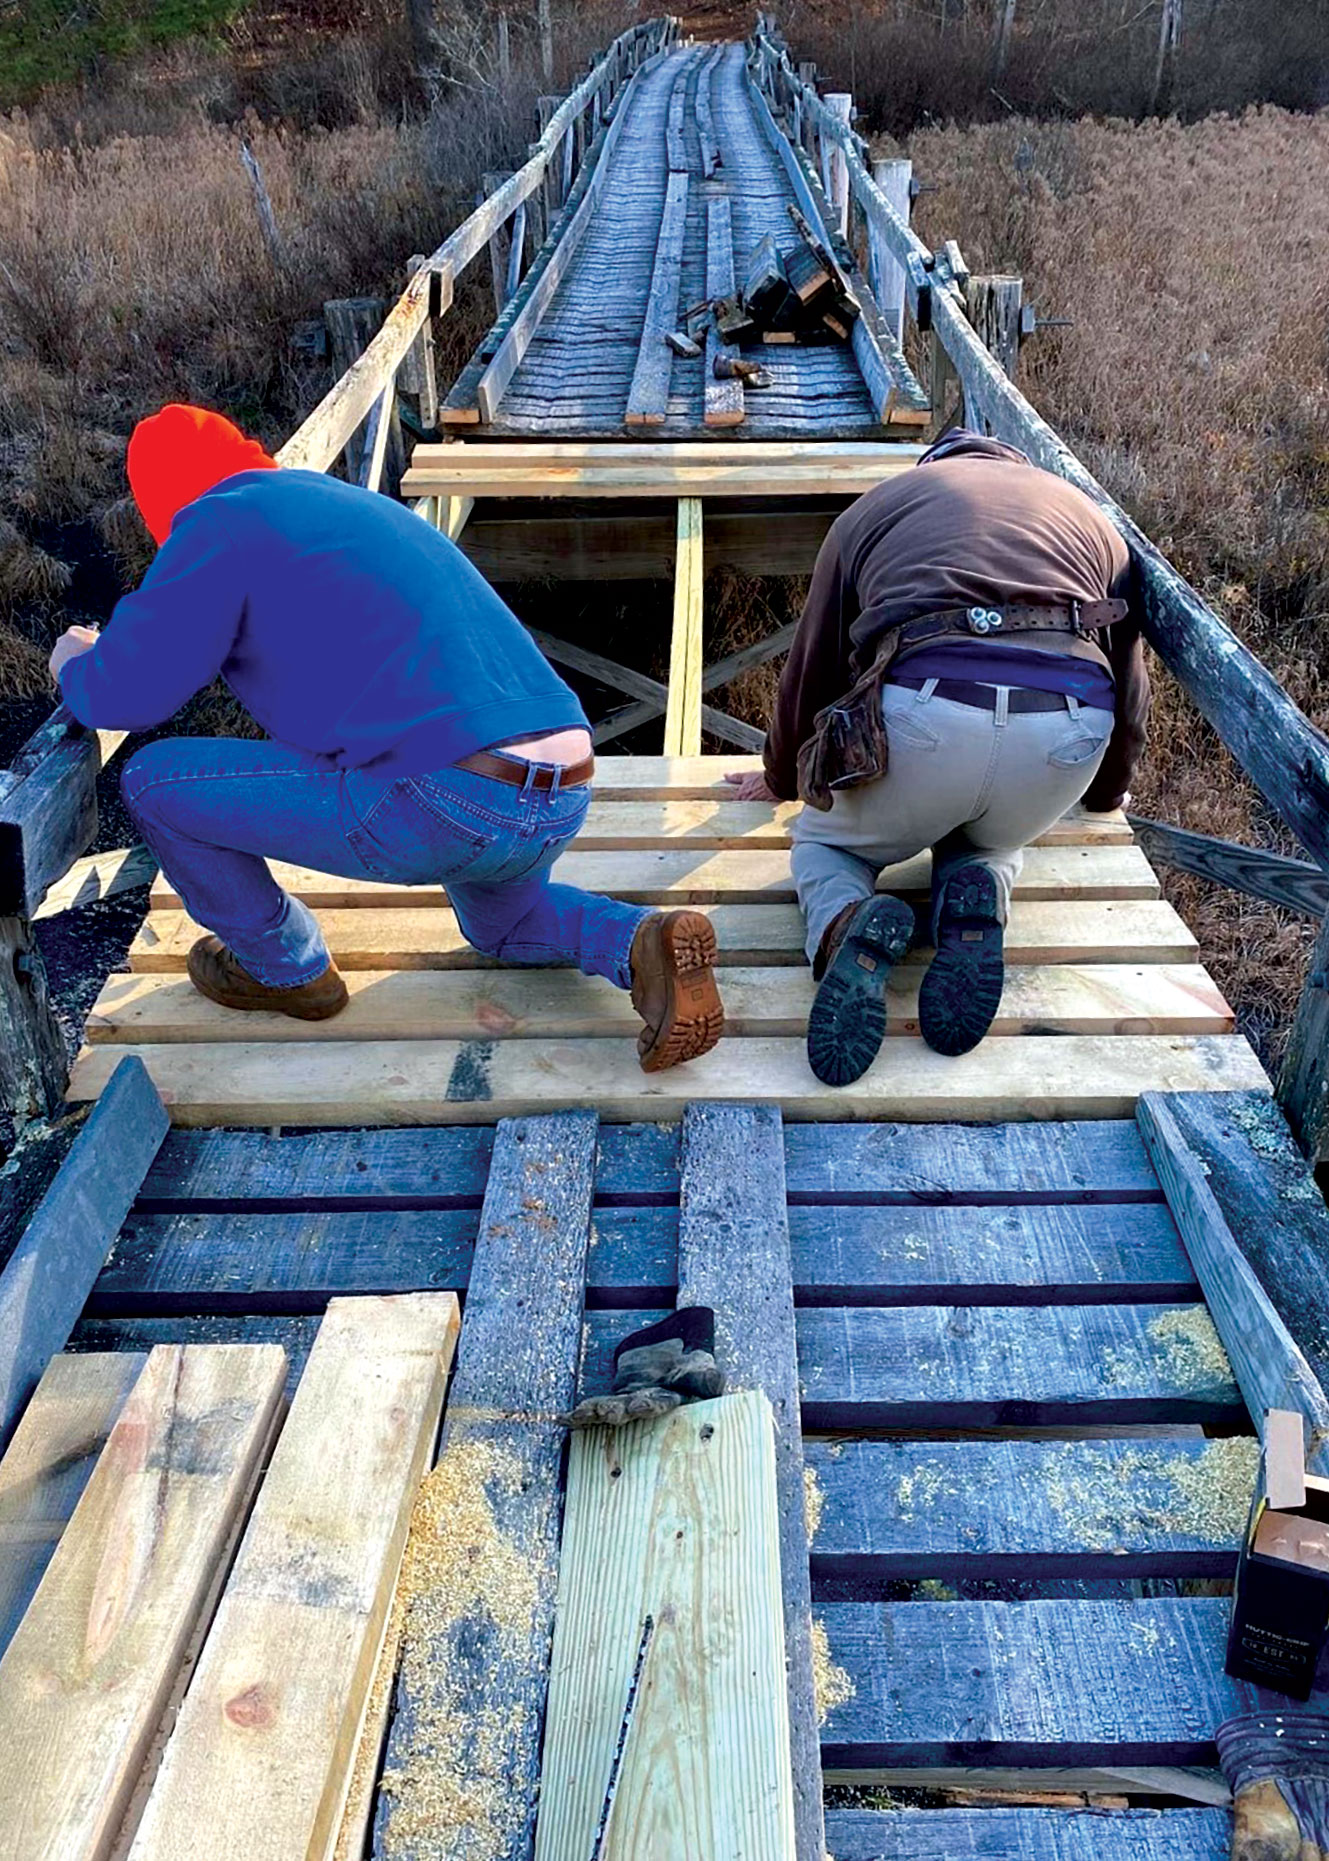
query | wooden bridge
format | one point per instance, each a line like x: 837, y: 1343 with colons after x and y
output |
x: 1018, y: 1317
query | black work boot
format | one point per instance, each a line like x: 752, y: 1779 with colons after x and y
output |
x: 656, y: 1369
x: 961, y: 992
x: 848, y: 1020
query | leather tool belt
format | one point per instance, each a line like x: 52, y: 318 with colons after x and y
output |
x: 848, y: 743
x: 517, y: 773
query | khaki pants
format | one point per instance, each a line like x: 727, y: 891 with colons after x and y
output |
x: 973, y: 785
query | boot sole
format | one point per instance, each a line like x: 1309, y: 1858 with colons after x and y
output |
x: 694, y: 1015
x: 848, y: 1020
x: 322, y: 1011
x: 961, y: 992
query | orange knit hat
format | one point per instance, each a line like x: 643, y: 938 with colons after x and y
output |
x: 178, y: 454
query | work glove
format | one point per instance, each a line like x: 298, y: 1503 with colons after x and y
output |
x: 655, y: 1370
x: 1277, y: 1765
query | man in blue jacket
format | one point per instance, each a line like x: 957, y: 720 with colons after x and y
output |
x: 415, y: 734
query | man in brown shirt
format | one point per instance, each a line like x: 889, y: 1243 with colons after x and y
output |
x: 1022, y: 704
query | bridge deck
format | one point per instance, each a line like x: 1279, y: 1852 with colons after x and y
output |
x: 575, y: 378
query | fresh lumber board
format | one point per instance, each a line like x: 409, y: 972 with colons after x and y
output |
x: 661, y: 469
x: 937, y: 1366
x: 1060, y: 1682
x: 51, y: 1271
x: 648, y: 397
x: 88, y: 1676
x: 722, y: 400
x: 463, y: 1753
x: 423, y: 936
x: 1029, y: 1834
x: 683, y: 706
x: 674, y: 1523
x: 736, y: 875
x: 243, y: 1261
x: 440, y: 1082
x: 279, y: 1689
x: 1272, y: 1203
x: 1268, y: 1365
x: 506, y: 1004
x: 632, y: 826
x: 912, y: 1510
x: 100, y: 875
x: 49, y: 1462
x: 734, y: 1255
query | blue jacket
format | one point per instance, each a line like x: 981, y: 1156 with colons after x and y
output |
x: 346, y: 625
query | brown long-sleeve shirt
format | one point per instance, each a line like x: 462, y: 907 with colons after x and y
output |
x: 976, y: 527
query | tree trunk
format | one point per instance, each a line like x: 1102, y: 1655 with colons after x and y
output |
x: 424, y: 35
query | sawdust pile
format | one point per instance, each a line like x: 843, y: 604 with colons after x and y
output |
x: 814, y: 1502
x: 1186, y: 1352
x: 831, y: 1685
x: 451, y: 1788
x: 1109, y: 1499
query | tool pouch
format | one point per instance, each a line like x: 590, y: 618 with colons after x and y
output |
x: 848, y: 743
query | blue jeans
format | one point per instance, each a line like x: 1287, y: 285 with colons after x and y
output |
x: 212, y: 809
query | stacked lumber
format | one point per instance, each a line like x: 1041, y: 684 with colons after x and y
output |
x: 147, y: 1697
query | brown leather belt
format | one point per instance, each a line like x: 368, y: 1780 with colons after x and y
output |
x: 518, y: 774
x: 1080, y: 618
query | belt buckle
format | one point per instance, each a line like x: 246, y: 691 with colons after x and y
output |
x: 984, y: 619
x: 1081, y: 631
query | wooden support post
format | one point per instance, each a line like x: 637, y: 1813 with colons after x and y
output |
x: 552, y: 185
x: 841, y: 103
x: 501, y: 240
x: 682, y: 735
x: 417, y: 374
x: 458, y: 512
x: 944, y: 388
x: 516, y: 253
x: 993, y: 307
x: 733, y: 1254
x: 352, y: 323
x: 885, y: 272
x: 34, y: 1062
x: 377, y: 431
x: 1303, y: 1086
x: 267, y: 219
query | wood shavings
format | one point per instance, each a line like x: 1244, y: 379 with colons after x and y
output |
x: 831, y: 1685
x: 460, y: 1570
x: 1192, y: 1352
x: 1108, y: 1500
x: 814, y: 1502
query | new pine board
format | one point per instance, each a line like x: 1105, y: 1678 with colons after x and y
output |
x: 280, y: 1687
x: 1029, y: 1834
x: 514, y: 1004
x: 475, y: 1082
x: 891, y: 1510
x: 427, y: 937
x: 735, y: 876
x: 49, y: 1462
x: 675, y: 1523
x: 89, y: 1672
x: 1051, y: 1683
x: 991, y: 1366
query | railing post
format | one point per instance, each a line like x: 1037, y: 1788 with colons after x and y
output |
x: 992, y: 305
x: 886, y: 274
x: 1303, y: 1085
x: 553, y: 197
x: 501, y: 241
x: 841, y: 104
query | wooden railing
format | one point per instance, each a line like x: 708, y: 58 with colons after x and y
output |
x: 1277, y: 746
x: 48, y: 798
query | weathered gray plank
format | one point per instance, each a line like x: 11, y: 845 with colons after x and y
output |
x: 1303, y: 1086
x: 1162, y: 1506
x: 257, y: 1173
x: 723, y: 399
x: 1029, y: 1834
x: 648, y: 397
x: 51, y: 1271
x: 676, y: 148
x: 1049, y: 1683
x: 1269, y: 1368
x: 928, y: 1366
x: 48, y: 807
x: 1295, y: 884
x: 465, y: 1738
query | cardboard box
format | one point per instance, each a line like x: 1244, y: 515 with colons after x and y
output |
x: 1280, y: 1609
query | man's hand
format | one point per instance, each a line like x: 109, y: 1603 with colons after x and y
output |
x: 752, y: 787
x: 72, y: 642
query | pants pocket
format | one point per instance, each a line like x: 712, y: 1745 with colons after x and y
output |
x: 1079, y: 747
x: 905, y: 727
x: 402, y: 839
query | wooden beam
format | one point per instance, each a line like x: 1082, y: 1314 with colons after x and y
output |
x: 280, y: 1687
x: 669, y: 1597
x: 90, y: 1672
x: 711, y: 156
x: 34, y: 1058
x: 508, y: 545
x: 662, y: 470
x: 51, y: 1271
x: 464, y: 1748
x: 1303, y: 1085
x: 1295, y: 884
x: 682, y: 731
x: 623, y: 678
x: 1031, y: 1834
x: 49, y: 1462
x: 734, y: 1256
x: 676, y: 148
x: 48, y: 807
x: 992, y: 304
x: 1270, y: 1369
x: 474, y: 1082
x: 723, y: 400
x: 648, y: 397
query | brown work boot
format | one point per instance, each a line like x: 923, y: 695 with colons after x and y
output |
x: 215, y: 972
x: 674, y: 989
x: 831, y: 939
